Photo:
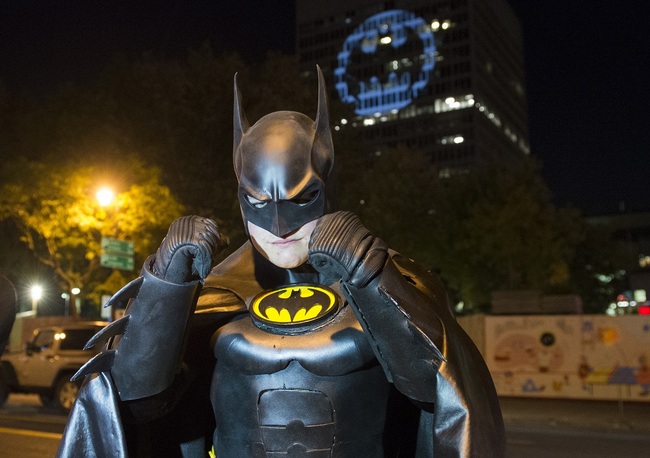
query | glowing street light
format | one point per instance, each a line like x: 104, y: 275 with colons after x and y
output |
x: 105, y: 196
x: 36, y: 292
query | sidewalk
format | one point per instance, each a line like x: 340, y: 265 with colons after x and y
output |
x: 598, y: 416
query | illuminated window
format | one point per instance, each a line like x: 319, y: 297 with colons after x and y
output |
x: 454, y: 103
x: 451, y: 140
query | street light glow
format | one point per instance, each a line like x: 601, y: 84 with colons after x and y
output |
x: 105, y: 196
x: 36, y: 292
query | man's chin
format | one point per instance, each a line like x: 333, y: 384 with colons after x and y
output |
x: 288, y: 264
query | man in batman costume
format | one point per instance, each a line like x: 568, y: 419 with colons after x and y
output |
x: 313, y: 339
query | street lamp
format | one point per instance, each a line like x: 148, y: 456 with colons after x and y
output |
x: 105, y: 196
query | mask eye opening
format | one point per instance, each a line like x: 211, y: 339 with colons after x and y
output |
x: 307, y: 198
x: 255, y: 203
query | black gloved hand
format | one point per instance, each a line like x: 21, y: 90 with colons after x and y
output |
x: 340, y: 247
x: 188, y: 251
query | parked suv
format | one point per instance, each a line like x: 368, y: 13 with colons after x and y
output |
x: 48, y: 361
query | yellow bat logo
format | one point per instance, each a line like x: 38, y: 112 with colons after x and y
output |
x: 295, y: 304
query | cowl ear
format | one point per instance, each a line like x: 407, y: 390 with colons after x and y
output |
x: 240, y: 127
x: 323, y: 154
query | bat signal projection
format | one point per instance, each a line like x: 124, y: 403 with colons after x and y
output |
x: 295, y: 305
x: 404, y: 44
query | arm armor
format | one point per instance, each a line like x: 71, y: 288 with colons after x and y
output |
x: 404, y: 329
x: 146, y: 345
x: 428, y: 357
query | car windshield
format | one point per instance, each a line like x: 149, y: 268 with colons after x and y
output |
x: 75, y: 339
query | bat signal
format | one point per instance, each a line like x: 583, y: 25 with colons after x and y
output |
x: 295, y: 305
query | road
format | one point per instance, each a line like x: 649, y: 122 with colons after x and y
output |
x: 544, y: 443
x: 29, y: 430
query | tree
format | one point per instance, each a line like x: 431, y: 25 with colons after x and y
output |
x: 393, y: 193
x: 486, y: 229
x: 597, y: 269
x: 54, y: 207
x: 501, y: 231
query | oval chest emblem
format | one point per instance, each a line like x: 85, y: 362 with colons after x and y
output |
x: 295, y: 306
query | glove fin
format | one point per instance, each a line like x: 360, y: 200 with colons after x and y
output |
x: 115, y: 328
x: 127, y: 292
x: 100, y: 363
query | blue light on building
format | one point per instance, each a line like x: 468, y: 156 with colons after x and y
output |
x: 398, y: 89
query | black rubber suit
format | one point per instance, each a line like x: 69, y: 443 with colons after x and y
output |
x: 353, y: 354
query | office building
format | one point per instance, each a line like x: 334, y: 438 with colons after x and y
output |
x: 442, y: 76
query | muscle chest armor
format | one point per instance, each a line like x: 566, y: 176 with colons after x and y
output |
x: 297, y: 381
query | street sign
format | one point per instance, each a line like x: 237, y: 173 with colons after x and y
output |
x: 117, y: 246
x: 116, y: 261
x: 117, y: 254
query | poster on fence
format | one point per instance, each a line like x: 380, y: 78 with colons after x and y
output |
x: 570, y: 356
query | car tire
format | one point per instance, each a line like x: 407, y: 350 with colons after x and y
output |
x: 65, y: 393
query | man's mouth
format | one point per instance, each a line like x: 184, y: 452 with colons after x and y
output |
x: 283, y: 242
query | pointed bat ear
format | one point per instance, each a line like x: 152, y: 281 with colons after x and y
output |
x: 240, y: 126
x: 325, y: 156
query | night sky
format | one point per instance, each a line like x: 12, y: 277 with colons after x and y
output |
x: 586, y: 71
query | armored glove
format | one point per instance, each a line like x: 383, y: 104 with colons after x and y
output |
x: 340, y: 247
x: 152, y: 331
x: 187, y: 252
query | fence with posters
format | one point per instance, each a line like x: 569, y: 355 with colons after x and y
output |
x: 570, y: 356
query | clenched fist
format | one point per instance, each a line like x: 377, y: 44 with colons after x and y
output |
x: 341, y: 247
x: 188, y: 251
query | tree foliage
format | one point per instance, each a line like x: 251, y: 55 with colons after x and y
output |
x: 597, y: 268
x: 488, y: 229
x: 501, y: 231
x: 60, y: 220
x: 393, y: 193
